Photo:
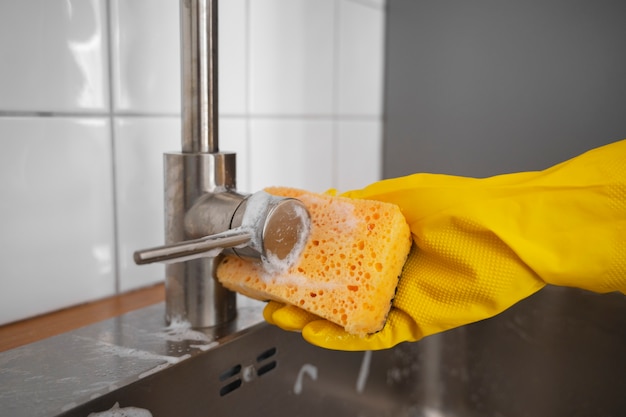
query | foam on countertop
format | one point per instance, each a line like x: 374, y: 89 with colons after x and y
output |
x: 116, y: 411
x: 180, y: 330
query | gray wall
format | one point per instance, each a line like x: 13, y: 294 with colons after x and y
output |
x: 486, y: 87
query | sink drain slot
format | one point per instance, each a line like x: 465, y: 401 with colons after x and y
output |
x: 230, y: 372
x: 236, y: 375
x: 264, y: 357
x: 228, y: 388
x: 266, y: 368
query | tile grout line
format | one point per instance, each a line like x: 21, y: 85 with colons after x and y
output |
x: 246, y: 115
x: 371, y: 5
x: 116, y: 237
x: 335, y: 96
x: 383, y: 94
x: 248, y: 72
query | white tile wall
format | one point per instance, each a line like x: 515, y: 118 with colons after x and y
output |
x: 53, y: 55
x: 359, y: 149
x: 90, y: 99
x: 145, y: 56
x: 292, y: 153
x: 233, y: 56
x: 233, y: 137
x: 292, y: 46
x: 139, y: 146
x: 360, y: 60
x: 56, y: 212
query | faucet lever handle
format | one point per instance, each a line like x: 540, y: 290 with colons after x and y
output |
x: 273, y: 229
x: 207, y: 246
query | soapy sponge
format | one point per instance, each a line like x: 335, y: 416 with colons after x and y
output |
x: 348, y: 270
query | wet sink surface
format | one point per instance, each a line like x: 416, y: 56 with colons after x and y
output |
x: 559, y: 353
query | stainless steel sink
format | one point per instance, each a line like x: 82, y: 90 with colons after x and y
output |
x: 561, y: 352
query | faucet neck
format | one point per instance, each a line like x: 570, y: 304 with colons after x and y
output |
x: 199, y: 65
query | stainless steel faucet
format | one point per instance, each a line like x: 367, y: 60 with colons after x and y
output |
x: 204, y: 214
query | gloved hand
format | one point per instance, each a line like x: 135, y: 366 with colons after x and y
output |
x: 481, y: 245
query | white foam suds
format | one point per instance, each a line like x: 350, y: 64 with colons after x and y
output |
x: 254, y: 218
x: 125, y: 352
x: 364, y: 371
x: 153, y: 370
x: 301, y: 281
x: 206, y: 347
x: 180, y: 330
x: 273, y: 264
x: 116, y: 411
x: 307, y: 369
x: 337, y: 209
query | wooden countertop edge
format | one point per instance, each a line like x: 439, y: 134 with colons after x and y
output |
x: 31, y: 330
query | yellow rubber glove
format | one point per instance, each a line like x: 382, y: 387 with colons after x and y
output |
x: 481, y: 245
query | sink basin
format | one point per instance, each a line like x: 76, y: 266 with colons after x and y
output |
x: 558, y: 353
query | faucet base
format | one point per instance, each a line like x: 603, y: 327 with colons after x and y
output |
x: 193, y: 294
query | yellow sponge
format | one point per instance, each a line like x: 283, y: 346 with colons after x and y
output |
x: 348, y: 270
